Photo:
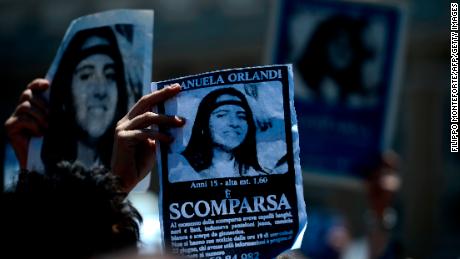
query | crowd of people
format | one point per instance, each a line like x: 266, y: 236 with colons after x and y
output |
x: 100, y: 219
x: 96, y: 149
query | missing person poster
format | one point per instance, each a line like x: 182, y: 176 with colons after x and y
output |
x: 101, y: 68
x: 346, y: 57
x: 231, y: 184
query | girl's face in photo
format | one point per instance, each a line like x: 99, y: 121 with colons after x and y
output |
x: 228, y: 124
x: 340, y: 53
x: 95, y: 93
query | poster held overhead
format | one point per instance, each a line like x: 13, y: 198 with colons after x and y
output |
x: 230, y: 181
x: 347, y: 58
x: 102, y: 67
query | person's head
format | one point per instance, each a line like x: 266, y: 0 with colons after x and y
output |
x: 68, y: 212
x: 87, y: 95
x: 228, y: 122
x: 224, y: 121
x: 337, y: 50
x: 94, y: 88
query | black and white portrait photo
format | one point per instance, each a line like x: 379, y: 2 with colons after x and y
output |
x: 346, y: 58
x: 340, y: 62
x: 88, y: 96
x: 235, y: 131
x: 98, y: 73
x: 236, y: 158
x: 342, y: 51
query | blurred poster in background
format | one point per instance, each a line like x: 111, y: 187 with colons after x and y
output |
x: 345, y: 57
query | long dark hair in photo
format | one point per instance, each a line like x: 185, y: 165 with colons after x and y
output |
x: 316, y: 62
x: 60, y: 141
x: 199, y: 151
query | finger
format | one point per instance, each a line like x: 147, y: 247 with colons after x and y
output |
x: 25, y: 96
x: 145, y: 135
x: 38, y: 84
x: 148, y: 101
x: 35, y: 99
x: 152, y: 143
x: 26, y: 108
x: 149, y: 118
x: 24, y: 124
x: 122, y: 121
x: 40, y: 104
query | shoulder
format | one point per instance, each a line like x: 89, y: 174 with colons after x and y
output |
x: 253, y: 172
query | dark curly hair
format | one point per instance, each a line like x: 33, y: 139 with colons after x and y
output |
x: 68, y: 212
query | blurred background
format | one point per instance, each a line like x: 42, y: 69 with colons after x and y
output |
x: 199, y: 36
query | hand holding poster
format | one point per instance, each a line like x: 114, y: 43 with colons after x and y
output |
x: 231, y: 182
